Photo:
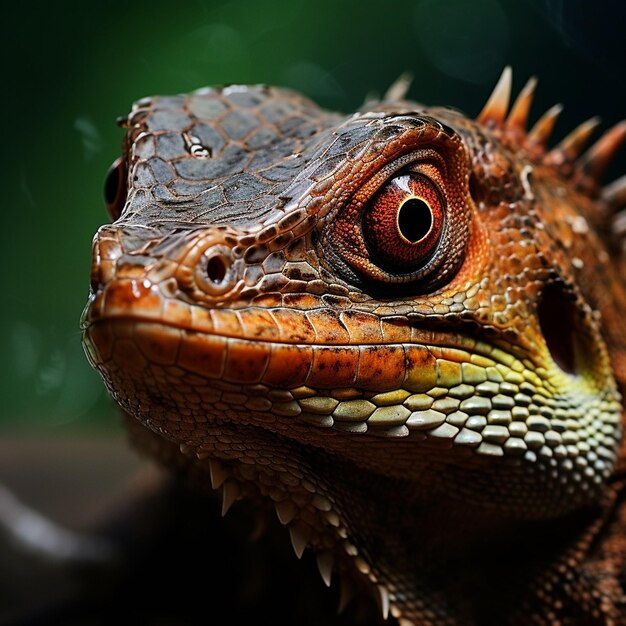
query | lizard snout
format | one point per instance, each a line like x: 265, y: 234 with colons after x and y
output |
x: 106, y: 250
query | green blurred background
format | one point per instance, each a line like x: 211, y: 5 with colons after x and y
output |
x: 70, y: 68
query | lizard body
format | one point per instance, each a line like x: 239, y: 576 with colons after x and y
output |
x: 402, y: 327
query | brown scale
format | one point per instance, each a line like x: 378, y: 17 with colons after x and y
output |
x: 302, y: 303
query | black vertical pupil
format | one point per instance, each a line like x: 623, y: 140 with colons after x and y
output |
x: 415, y: 219
x: 112, y: 184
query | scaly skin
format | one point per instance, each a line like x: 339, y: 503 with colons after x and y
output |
x: 435, y: 412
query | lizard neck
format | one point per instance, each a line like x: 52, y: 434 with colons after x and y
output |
x: 428, y: 560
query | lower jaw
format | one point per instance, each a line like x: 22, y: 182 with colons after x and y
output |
x: 396, y: 539
x: 409, y: 427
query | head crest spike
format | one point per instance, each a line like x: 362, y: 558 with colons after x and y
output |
x: 618, y: 228
x: 615, y: 193
x: 570, y: 147
x: 541, y: 131
x: 518, y: 117
x: 399, y: 88
x: 494, y: 112
x: 597, y: 159
x: 618, y: 232
x: 371, y: 98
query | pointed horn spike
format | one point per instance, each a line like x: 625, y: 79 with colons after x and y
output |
x: 299, y: 539
x: 541, y: 131
x: 494, y: 112
x: 384, y: 601
x: 618, y: 226
x: 322, y: 503
x: 261, y: 524
x: 598, y: 158
x: 362, y: 565
x: 286, y: 511
x: 518, y: 117
x: 325, y: 563
x: 570, y: 147
x: 345, y: 595
x: 615, y: 193
x: 217, y: 473
x: 371, y: 98
x: 230, y: 493
x: 400, y: 87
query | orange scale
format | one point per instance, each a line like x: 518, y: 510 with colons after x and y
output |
x: 246, y: 361
x: 202, y: 354
x: 381, y: 368
x: 289, y: 365
x: 334, y: 366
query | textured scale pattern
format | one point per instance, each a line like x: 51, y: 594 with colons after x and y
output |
x: 459, y: 412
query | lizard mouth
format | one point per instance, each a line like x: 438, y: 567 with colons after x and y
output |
x: 175, y: 372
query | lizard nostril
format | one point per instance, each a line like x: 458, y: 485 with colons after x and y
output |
x: 557, y: 321
x: 105, y: 252
x: 214, y: 271
x: 216, y: 268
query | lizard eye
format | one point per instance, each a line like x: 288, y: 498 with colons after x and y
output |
x: 403, y: 222
x: 405, y: 227
x: 115, y: 188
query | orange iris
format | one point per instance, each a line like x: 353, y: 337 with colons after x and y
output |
x: 404, y: 221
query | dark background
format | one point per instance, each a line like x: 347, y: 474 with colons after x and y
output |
x: 70, y: 68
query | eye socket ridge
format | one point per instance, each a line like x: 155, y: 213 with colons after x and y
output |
x: 406, y: 225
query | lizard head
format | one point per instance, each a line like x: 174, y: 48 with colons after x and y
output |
x: 319, y: 304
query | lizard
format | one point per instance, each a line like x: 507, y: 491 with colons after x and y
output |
x: 401, y: 327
